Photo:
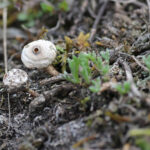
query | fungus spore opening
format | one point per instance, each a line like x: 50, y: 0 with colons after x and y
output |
x: 36, y: 50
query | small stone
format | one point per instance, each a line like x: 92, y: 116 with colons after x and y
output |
x: 3, y: 120
x: 37, y: 104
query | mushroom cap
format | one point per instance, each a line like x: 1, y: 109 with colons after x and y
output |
x: 38, y: 54
x: 15, y: 78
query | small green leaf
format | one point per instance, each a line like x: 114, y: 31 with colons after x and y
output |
x: 105, y: 55
x: 105, y: 69
x: 85, y: 75
x: 123, y: 88
x: 85, y: 68
x: 85, y: 100
x: 96, y: 85
x: 99, y: 63
x: 30, y: 23
x: 69, y: 78
x: 139, y: 132
x: 143, y: 144
x: 74, y: 67
x: 93, y: 58
x: 147, y: 61
x: 127, y: 86
x: 63, y: 5
x: 141, y: 137
x: 23, y: 16
x: 47, y: 7
x: 60, y: 49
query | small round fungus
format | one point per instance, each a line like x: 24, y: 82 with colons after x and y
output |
x: 15, y: 78
x: 38, y: 54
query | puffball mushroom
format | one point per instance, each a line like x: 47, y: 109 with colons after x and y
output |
x: 39, y: 54
x: 14, y: 79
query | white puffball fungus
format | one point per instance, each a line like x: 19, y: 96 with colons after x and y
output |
x: 38, y: 54
x: 15, y: 78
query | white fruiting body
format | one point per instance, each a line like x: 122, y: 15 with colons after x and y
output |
x: 15, y: 78
x: 38, y: 54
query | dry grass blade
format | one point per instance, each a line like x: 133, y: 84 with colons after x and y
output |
x: 5, y: 52
x: 5, y: 37
x: 129, y: 76
x: 97, y: 20
x: 148, y: 2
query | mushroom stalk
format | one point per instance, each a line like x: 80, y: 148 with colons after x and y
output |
x: 32, y: 92
x: 51, y: 70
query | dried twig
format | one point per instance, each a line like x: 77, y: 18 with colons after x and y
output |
x: 52, y: 80
x: 135, y: 2
x: 83, y: 8
x: 130, y: 78
x: 138, y: 62
x: 5, y: 37
x: 61, y: 90
x: 32, y: 92
x: 98, y: 18
x: 5, y: 54
x: 9, y: 121
x: 135, y: 59
x: 21, y: 89
x: 52, y: 30
x: 148, y: 2
x: 91, y: 12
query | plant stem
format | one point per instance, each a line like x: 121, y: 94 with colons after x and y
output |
x: 5, y: 37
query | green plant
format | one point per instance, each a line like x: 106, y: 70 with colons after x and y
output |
x: 103, y: 67
x: 105, y: 56
x: 59, y: 48
x: 81, y: 69
x: 140, y: 132
x: 47, y: 7
x: 74, y: 67
x: 147, y: 62
x: 29, y: 16
x: 96, y: 85
x: 63, y: 5
x: 85, y: 69
x: 52, y: 7
x: 143, y: 143
x: 85, y: 101
x: 142, y: 136
x: 123, y: 88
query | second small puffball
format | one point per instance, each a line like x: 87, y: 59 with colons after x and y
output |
x: 15, y: 78
x: 38, y: 54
